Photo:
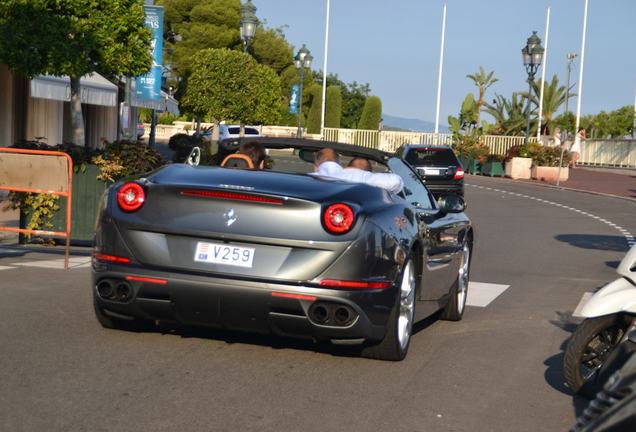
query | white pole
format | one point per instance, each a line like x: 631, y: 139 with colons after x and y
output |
x: 634, y: 119
x: 439, y: 72
x: 543, y: 68
x: 324, y: 76
x: 580, y: 94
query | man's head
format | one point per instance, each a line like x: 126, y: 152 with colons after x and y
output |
x: 255, y: 152
x: 325, y: 155
x: 360, y: 163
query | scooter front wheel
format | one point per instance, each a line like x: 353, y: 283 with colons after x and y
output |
x: 588, y: 348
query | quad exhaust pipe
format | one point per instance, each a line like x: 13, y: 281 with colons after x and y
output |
x: 114, y: 290
x: 331, y: 314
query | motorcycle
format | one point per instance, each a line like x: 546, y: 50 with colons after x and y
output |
x: 605, y: 340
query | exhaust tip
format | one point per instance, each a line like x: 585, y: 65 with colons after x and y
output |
x: 319, y: 314
x: 343, y: 315
x: 105, y: 289
x: 123, y: 292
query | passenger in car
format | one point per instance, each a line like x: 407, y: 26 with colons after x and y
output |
x: 326, y: 165
x: 255, y: 152
x: 360, y: 163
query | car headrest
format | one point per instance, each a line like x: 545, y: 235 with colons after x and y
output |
x: 237, y: 160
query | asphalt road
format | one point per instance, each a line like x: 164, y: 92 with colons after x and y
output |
x: 497, y: 370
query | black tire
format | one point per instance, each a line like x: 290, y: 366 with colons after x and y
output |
x: 390, y: 347
x: 602, y: 333
x: 454, y: 309
x: 113, y: 323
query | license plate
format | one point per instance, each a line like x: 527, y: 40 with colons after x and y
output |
x: 430, y: 171
x: 217, y: 253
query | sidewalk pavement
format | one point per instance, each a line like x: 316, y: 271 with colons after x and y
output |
x: 607, y: 181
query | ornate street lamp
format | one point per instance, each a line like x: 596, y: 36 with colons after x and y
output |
x: 532, y: 56
x: 302, y: 60
x: 248, y: 23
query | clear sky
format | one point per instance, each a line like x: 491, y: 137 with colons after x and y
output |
x: 394, y: 46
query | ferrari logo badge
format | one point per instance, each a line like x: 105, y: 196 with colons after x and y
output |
x: 230, y: 217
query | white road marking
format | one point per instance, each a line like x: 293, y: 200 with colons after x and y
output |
x: 482, y: 294
x: 629, y: 238
x: 5, y: 268
x: 73, y: 263
x: 584, y: 299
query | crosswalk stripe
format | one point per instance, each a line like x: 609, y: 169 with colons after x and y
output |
x: 481, y: 294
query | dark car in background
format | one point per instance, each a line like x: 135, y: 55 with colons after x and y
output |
x: 282, y: 251
x: 437, y: 165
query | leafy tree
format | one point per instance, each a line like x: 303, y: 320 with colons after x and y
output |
x: 314, y: 93
x: 271, y: 49
x: 371, y: 114
x: 333, y: 109
x: 230, y: 85
x: 74, y: 38
x: 200, y: 24
x: 566, y: 121
x: 482, y: 80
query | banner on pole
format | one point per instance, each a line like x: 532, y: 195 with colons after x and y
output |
x: 293, y: 99
x: 148, y: 86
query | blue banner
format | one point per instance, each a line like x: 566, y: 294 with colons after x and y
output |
x: 293, y: 99
x: 148, y: 86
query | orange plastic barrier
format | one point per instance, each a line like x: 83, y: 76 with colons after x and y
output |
x: 20, y: 171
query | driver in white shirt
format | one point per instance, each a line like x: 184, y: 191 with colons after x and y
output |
x: 326, y: 165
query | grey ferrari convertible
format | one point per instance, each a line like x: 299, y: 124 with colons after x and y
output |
x: 278, y: 250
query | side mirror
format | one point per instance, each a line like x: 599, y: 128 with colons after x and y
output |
x: 451, y: 203
x: 194, y: 157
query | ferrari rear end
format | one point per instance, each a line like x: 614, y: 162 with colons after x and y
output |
x: 245, y: 250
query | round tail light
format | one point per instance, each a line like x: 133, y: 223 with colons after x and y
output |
x: 130, y: 197
x: 338, y: 218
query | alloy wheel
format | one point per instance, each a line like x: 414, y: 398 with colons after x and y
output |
x: 407, y: 303
x: 462, y: 279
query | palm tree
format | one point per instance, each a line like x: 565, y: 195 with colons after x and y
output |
x: 482, y: 80
x: 553, y: 97
x: 509, y: 115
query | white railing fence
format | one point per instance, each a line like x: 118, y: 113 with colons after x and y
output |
x: 615, y: 153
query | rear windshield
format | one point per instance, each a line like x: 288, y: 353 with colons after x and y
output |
x: 431, y: 157
x: 237, y: 130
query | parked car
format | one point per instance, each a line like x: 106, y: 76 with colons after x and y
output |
x: 437, y: 165
x: 233, y: 131
x: 282, y: 251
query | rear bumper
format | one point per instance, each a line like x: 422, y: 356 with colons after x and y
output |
x: 438, y: 189
x: 255, y: 306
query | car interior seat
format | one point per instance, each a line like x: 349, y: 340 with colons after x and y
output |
x: 237, y: 160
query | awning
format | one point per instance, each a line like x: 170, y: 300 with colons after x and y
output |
x: 166, y: 104
x: 94, y: 89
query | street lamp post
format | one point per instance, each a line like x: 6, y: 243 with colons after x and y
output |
x: 570, y: 57
x: 248, y: 23
x: 564, y: 134
x: 532, y: 56
x: 302, y: 60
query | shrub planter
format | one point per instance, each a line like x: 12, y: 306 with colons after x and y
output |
x: 519, y: 168
x: 549, y: 174
x: 493, y: 169
x: 472, y: 166
x: 87, y: 192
